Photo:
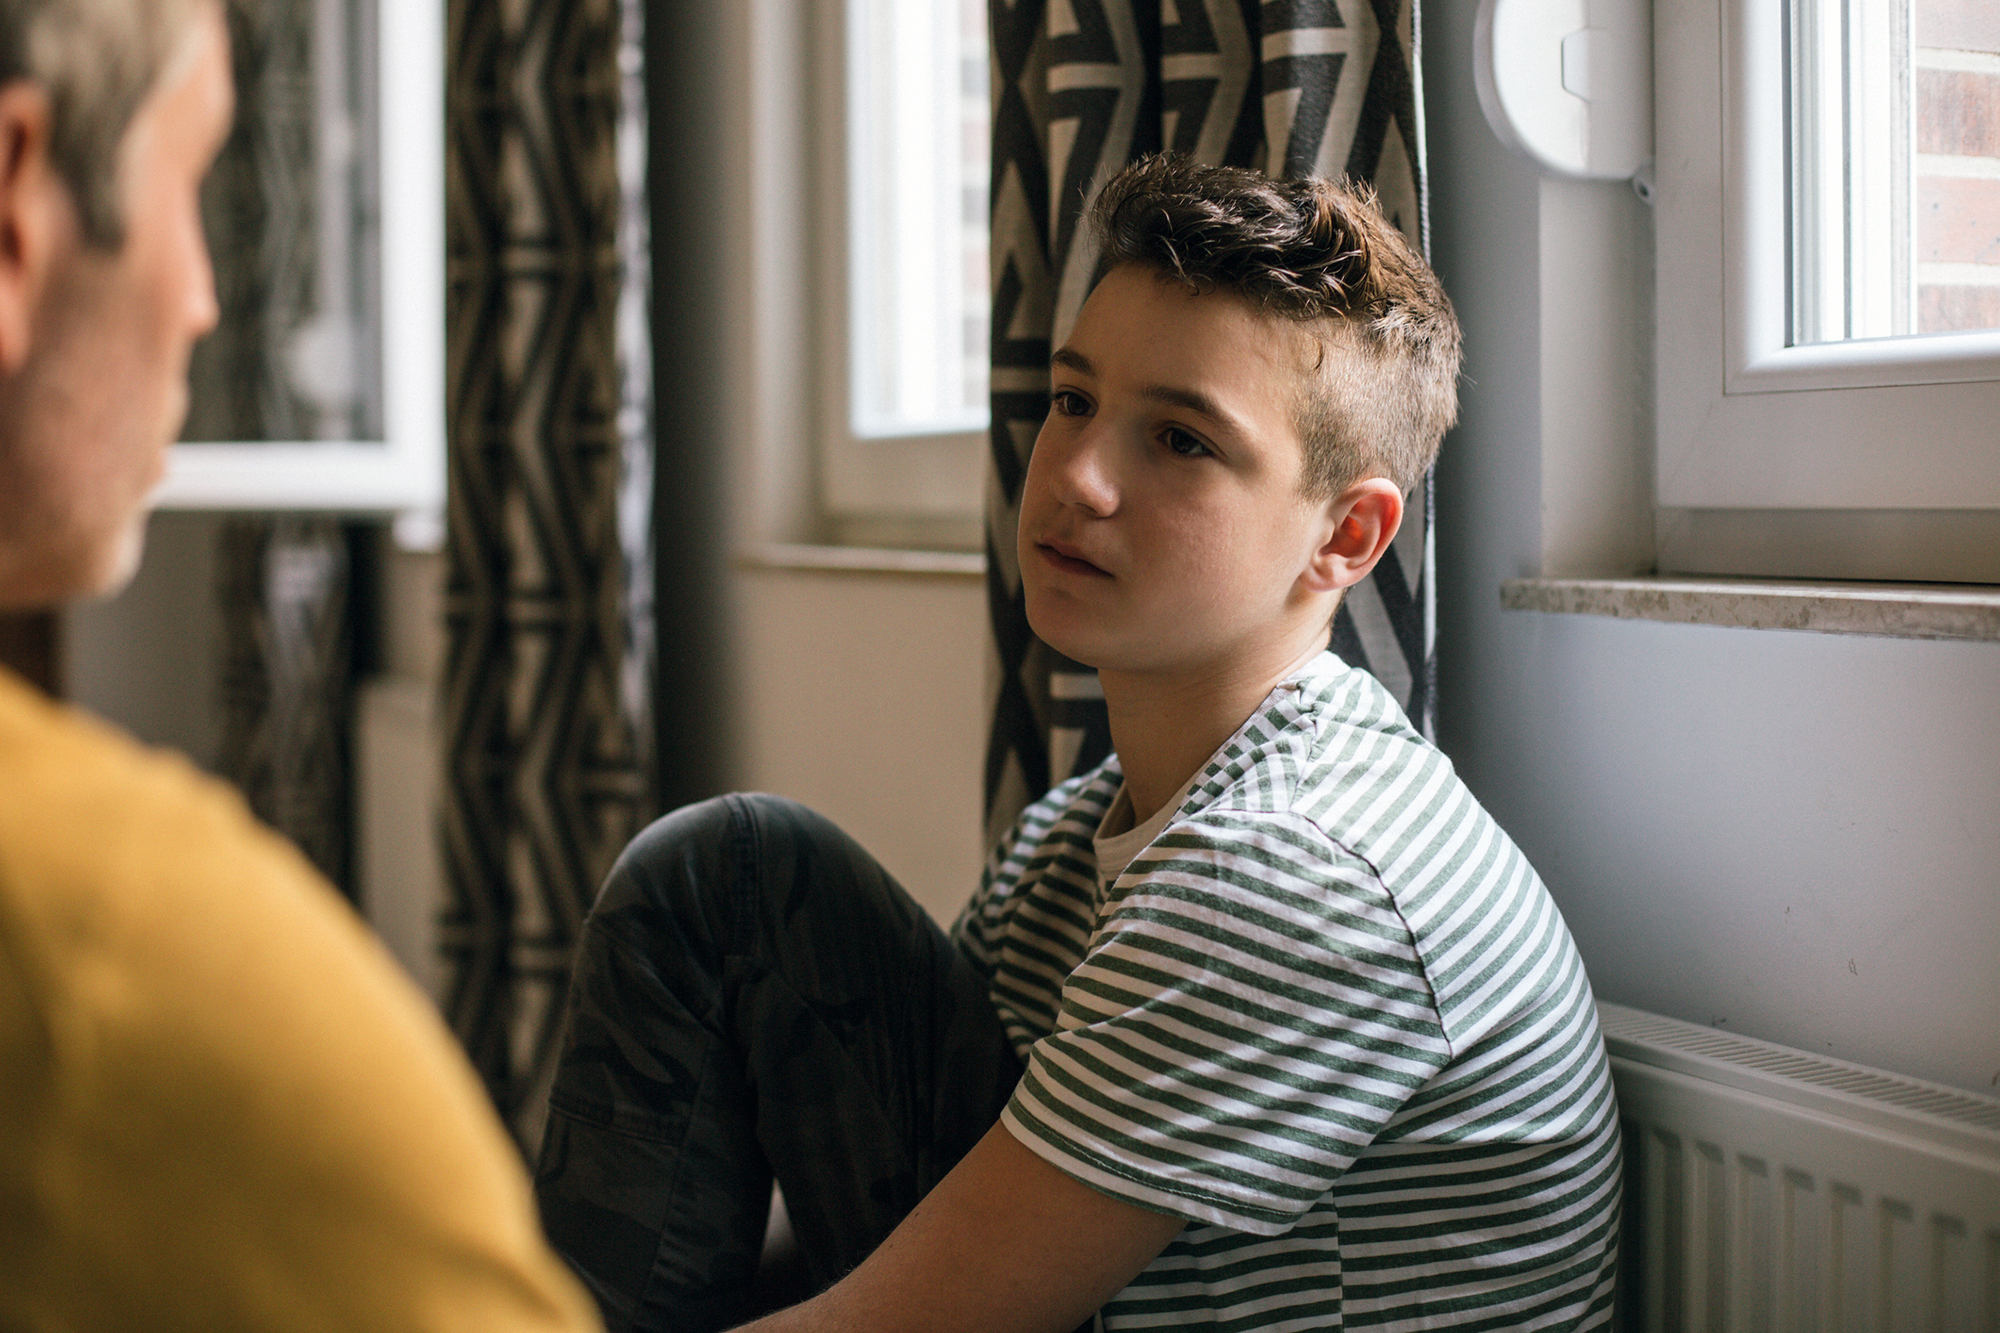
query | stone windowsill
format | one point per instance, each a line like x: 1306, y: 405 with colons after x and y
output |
x: 1894, y: 610
x: 863, y: 560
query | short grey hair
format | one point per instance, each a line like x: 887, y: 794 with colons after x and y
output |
x: 97, y: 60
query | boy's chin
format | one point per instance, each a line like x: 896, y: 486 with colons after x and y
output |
x: 1080, y: 653
x: 1070, y: 640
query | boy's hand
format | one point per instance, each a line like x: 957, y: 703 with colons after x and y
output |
x: 1005, y: 1244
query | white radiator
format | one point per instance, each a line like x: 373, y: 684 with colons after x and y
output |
x: 1767, y: 1188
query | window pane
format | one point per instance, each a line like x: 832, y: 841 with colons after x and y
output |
x: 293, y: 215
x: 918, y: 182
x: 1957, y: 164
x: 1895, y: 167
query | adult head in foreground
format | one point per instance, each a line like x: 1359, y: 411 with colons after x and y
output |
x: 221, y: 1106
x: 110, y: 114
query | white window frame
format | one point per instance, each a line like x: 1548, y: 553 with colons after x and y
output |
x: 1743, y: 421
x: 404, y: 471
x: 874, y: 490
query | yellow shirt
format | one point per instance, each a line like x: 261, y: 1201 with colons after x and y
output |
x: 222, y: 1106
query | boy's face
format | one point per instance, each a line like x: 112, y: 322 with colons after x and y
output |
x: 1163, y: 530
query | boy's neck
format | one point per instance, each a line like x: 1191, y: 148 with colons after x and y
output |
x: 1164, y: 729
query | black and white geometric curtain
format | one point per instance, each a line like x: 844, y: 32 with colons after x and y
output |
x: 292, y: 220
x: 548, y: 612
x: 294, y: 596
x: 1290, y: 87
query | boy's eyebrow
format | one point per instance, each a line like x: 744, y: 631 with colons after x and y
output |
x: 1191, y: 399
x: 1075, y: 360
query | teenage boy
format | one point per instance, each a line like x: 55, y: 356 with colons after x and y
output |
x: 1263, y: 1024
x: 222, y: 1108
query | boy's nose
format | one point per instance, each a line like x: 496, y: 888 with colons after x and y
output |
x: 1083, y: 474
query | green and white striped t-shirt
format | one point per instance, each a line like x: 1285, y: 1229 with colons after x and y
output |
x: 1331, y: 1017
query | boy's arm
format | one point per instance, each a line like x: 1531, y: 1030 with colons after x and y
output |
x: 1005, y: 1244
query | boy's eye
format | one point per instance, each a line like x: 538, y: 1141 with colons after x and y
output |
x: 1069, y: 403
x: 1184, y: 444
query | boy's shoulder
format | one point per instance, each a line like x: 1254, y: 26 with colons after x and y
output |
x: 1326, y: 738
x: 1328, y: 759
x: 1329, y: 802
x: 1326, y: 808
x: 1331, y: 781
x: 1328, y: 743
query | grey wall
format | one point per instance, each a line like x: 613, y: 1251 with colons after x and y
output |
x: 1792, y: 836
x: 150, y: 657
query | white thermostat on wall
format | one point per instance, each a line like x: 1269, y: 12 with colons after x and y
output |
x: 1569, y: 83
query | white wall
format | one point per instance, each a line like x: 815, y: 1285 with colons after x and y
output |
x: 863, y: 697
x: 150, y: 658
x: 1792, y: 836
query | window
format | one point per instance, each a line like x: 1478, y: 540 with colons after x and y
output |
x: 1895, y: 170
x: 323, y: 388
x: 918, y: 144
x: 903, y: 421
x: 1828, y: 232
x: 1849, y: 141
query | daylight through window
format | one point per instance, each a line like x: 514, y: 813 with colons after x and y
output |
x: 1895, y: 168
x: 918, y: 155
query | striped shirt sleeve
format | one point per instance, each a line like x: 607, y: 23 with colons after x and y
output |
x: 1248, y: 1015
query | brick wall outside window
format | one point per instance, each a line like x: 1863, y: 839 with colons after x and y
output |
x: 1957, y: 172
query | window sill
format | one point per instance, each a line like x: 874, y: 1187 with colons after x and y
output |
x: 863, y: 560
x: 1893, y: 610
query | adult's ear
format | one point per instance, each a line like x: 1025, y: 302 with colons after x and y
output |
x: 32, y: 201
x: 1361, y: 522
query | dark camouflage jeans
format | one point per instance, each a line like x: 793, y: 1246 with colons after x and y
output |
x: 755, y: 996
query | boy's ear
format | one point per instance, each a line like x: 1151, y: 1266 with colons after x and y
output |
x: 1362, y: 521
x: 32, y: 196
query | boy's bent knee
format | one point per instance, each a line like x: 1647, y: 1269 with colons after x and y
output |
x: 699, y: 841
x: 715, y: 857
x: 670, y: 880
x: 722, y: 819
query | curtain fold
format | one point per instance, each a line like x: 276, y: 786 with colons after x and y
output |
x: 1082, y: 87
x: 292, y: 218
x: 295, y: 594
x: 548, y: 573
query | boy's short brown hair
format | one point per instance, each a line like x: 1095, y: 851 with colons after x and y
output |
x: 1318, y: 252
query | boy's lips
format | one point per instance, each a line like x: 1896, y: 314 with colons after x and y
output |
x: 1069, y: 558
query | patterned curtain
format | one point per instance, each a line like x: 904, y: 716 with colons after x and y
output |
x: 1084, y: 86
x: 293, y: 220
x: 294, y: 594
x: 293, y: 208
x: 548, y: 575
